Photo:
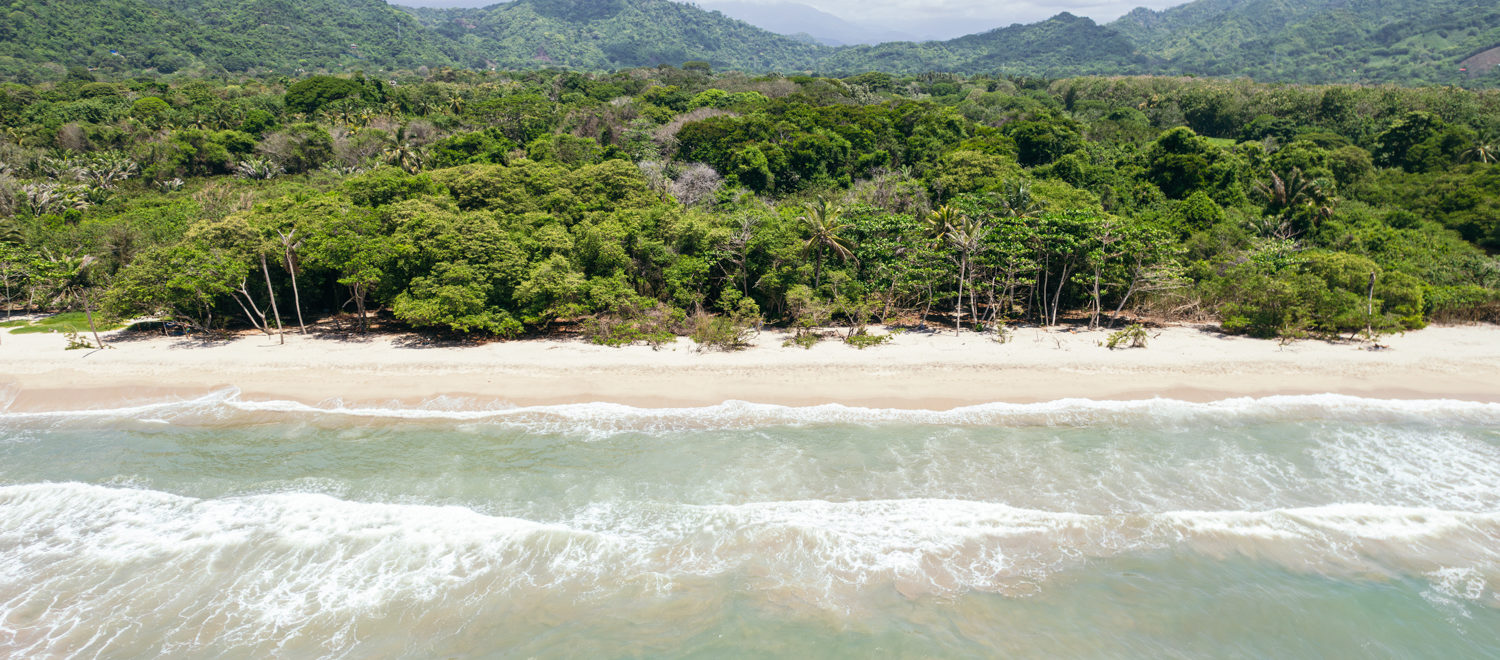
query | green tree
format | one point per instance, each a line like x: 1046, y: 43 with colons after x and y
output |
x: 824, y: 221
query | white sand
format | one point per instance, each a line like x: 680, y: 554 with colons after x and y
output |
x: 916, y: 370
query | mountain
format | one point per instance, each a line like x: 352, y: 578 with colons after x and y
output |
x: 318, y: 33
x: 1062, y: 45
x: 611, y: 34
x: 792, y: 19
x: 1283, y: 40
x: 1316, y: 40
x: 235, y: 35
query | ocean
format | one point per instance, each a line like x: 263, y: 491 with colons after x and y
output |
x: 1308, y: 526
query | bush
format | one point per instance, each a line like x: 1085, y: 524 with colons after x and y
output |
x: 862, y: 339
x: 1133, y: 336
x: 1315, y: 292
x: 656, y: 326
x: 720, y: 333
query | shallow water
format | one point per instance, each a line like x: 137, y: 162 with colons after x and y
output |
x: 1286, y: 526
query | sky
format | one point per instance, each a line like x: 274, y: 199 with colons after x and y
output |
x: 936, y: 18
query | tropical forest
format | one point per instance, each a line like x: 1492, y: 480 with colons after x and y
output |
x: 710, y: 198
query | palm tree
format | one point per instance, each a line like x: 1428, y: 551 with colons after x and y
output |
x: 1486, y: 150
x: 75, y: 273
x: 937, y: 224
x: 824, y: 222
x: 940, y: 220
x: 403, y: 154
x: 1285, y: 196
x: 1016, y: 201
x: 967, y: 236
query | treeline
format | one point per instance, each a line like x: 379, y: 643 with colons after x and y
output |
x: 655, y: 202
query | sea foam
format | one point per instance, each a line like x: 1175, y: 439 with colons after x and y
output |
x: 227, y: 406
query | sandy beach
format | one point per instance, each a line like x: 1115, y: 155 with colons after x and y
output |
x: 914, y: 370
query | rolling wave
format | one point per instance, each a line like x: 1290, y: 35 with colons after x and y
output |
x: 227, y: 407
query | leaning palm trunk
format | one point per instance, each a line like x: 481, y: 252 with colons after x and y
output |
x: 1057, y: 297
x: 272, y: 293
x: 958, y: 305
x: 291, y: 269
x: 88, y: 310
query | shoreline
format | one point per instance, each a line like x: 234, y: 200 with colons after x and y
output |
x: 928, y: 371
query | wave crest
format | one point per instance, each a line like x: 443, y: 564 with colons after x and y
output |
x: 227, y: 407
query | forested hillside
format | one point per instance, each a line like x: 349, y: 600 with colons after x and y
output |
x: 1062, y: 45
x: 39, y: 38
x: 652, y: 202
x: 1318, y: 40
x: 602, y: 35
x: 1369, y: 41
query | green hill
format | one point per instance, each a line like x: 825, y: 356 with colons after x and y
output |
x: 311, y: 33
x: 1317, y: 40
x: 1281, y: 40
x: 1063, y: 44
x: 609, y: 34
x: 235, y: 35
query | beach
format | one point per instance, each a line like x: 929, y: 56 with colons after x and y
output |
x: 1046, y: 497
x: 915, y: 370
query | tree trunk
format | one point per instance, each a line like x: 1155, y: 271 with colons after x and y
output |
x: 280, y: 332
x: 246, y: 310
x: 88, y: 310
x: 973, y: 303
x: 291, y: 269
x: 1045, y: 278
x: 1057, y: 297
x: 260, y: 325
x: 958, y: 305
x: 1094, y: 319
x: 359, y: 304
x: 1123, y: 299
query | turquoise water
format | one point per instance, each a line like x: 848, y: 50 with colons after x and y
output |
x: 1289, y: 526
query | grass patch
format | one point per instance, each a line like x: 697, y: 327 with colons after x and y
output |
x: 65, y: 322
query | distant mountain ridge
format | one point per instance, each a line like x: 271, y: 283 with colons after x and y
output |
x: 1284, y: 40
x: 791, y: 19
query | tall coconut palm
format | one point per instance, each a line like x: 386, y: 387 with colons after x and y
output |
x: 75, y: 272
x: 403, y: 154
x: 967, y: 237
x: 824, y: 221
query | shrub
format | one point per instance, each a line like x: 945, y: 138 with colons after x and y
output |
x: 862, y: 339
x: 720, y: 333
x: 1133, y: 336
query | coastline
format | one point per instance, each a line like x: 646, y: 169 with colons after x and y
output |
x: 914, y: 371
